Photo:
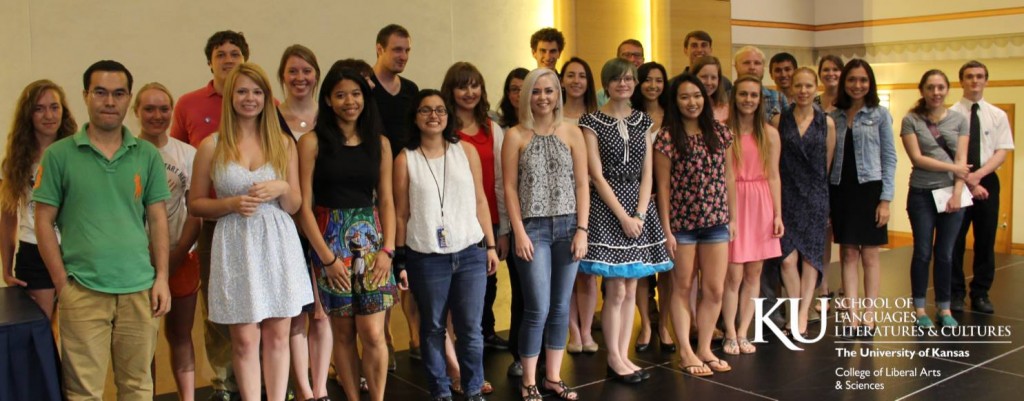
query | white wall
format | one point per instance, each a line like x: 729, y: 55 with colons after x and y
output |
x: 164, y: 41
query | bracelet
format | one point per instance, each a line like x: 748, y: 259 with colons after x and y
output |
x: 584, y: 229
x: 388, y: 251
x: 332, y: 262
x: 490, y: 247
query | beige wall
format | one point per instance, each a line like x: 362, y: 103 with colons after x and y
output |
x: 163, y: 41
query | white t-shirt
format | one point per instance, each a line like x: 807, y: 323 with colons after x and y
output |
x: 178, y: 157
x: 27, y: 212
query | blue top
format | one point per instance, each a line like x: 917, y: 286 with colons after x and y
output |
x: 874, y: 147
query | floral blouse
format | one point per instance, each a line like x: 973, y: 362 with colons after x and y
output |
x: 698, y: 197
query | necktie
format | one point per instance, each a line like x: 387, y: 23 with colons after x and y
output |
x: 974, y: 146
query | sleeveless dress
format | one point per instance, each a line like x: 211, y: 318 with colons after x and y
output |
x: 610, y: 253
x: 805, y: 201
x: 257, y: 269
x: 754, y: 208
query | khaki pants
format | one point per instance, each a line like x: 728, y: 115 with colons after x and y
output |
x: 217, y: 338
x: 95, y: 326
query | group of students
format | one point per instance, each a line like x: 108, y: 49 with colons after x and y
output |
x: 304, y: 222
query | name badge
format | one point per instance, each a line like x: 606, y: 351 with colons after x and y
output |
x: 442, y: 237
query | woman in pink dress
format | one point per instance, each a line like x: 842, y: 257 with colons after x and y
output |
x: 758, y: 210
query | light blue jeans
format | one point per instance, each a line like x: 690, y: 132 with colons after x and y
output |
x: 547, y: 282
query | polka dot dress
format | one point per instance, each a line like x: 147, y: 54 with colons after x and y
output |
x: 610, y: 253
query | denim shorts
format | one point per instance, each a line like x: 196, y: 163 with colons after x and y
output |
x: 706, y: 235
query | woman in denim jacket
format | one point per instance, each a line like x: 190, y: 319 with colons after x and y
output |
x: 862, y: 179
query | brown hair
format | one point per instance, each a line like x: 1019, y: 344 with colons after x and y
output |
x: 760, y: 134
x: 303, y: 53
x: 23, y: 147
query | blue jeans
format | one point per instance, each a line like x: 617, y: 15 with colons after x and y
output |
x: 547, y: 283
x: 455, y: 282
x: 926, y: 223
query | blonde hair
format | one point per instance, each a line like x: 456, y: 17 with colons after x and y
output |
x: 23, y: 147
x: 155, y: 86
x: 271, y: 135
x: 760, y: 134
x: 525, y: 112
x: 748, y: 49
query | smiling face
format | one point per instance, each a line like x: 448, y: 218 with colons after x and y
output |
x: 467, y: 97
x: 934, y: 91
x: 830, y: 73
x: 547, y: 54
x: 248, y: 98
x: 154, y: 112
x: 696, y: 48
x: 574, y: 80
x: 747, y: 96
x: 805, y: 86
x: 515, y: 88
x: 46, y: 114
x: 621, y: 87
x: 346, y: 100
x: 544, y: 96
x: 782, y: 74
x: 708, y: 75
x: 632, y: 53
x: 857, y: 84
x: 107, y: 99
x: 223, y: 59
x: 652, y: 87
x: 689, y: 100
x: 299, y: 77
x: 428, y: 120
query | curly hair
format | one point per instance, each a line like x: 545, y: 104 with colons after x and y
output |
x: 23, y: 147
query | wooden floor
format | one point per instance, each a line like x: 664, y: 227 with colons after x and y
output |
x: 992, y: 371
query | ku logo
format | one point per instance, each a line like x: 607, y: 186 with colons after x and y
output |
x: 762, y: 320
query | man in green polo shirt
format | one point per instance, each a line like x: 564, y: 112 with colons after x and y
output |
x: 101, y: 187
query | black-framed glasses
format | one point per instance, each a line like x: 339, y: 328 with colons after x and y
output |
x: 424, y: 111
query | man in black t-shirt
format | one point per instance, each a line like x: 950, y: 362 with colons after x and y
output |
x: 394, y: 94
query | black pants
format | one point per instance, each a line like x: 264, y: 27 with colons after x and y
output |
x: 984, y: 215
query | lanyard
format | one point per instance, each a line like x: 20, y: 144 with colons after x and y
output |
x: 444, y: 176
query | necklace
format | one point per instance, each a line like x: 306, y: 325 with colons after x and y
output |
x: 444, y: 175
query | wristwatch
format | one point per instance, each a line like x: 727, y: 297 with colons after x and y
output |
x: 641, y: 216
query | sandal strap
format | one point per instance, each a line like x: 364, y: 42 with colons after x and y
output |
x: 565, y: 390
x: 532, y: 393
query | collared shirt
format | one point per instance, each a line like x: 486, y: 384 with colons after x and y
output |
x: 197, y: 115
x: 774, y: 103
x: 873, y: 145
x: 995, y: 127
x: 102, y: 203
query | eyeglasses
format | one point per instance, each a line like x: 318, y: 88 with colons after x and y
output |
x: 624, y: 79
x: 119, y: 94
x: 441, y: 111
x: 631, y: 55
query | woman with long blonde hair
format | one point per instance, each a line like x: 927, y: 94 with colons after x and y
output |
x: 40, y: 118
x: 257, y: 276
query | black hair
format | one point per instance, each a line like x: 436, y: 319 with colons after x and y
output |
x: 507, y: 111
x: 590, y: 96
x: 781, y: 58
x: 107, y: 66
x: 638, y: 100
x: 706, y: 120
x: 415, y: 136
x: 843, y: 100
x: 368, y: 125
x: 232, y: 37
x: 699, y: 35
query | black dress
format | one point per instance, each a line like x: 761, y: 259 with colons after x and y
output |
x: 853, y: 204
x: 805, y: 201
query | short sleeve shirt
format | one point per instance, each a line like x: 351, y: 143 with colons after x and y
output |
x: 394, y: 111
x: 177, y: 157
x: 197, y: 115
x: 698, y: 196
x: 101, y: 206
x: 995, y: 126
x: 949, y: 129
